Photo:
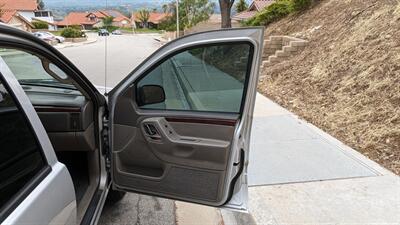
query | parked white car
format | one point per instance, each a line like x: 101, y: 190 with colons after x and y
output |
x: 178, y: 126
x: 47, y: 36
x: 117, y: 32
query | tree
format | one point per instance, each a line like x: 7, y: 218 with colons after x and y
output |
x: 191, y: 12
x: 107, y: 21
x: 143, y: 16
x: 165, y: 8
x: 40, y: 4
x: 225, y: 7
x: 241, y: 6
x: 195, y: 11
x: 169, y: 8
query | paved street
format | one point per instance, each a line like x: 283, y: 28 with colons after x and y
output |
x: 124, y: 53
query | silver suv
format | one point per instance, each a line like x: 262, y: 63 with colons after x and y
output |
x: 178, y: 126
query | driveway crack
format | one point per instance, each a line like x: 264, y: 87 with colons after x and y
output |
x: 137, y: 211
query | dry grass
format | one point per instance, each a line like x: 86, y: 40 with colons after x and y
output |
x: 347, y: 81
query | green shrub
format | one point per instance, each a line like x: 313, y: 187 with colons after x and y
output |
x: 272, y: 13
x: 70, y: 32
x: 300, y: 5
x: 278, y: 10
x: 76, y: 27
x: 40, y: 25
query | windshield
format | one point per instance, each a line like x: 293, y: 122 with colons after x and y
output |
x: 29, y: 69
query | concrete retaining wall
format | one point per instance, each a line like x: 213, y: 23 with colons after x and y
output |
x: 279, y: 48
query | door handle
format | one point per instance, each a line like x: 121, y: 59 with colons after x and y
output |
x: 151, y: 131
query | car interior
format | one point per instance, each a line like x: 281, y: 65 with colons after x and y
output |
x: 68, y: 120
x: 67, y: 114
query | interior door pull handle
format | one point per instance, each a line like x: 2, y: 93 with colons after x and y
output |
x: 151, y: 130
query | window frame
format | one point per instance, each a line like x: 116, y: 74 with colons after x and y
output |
x: 21, y: 194
x: 169, y: 56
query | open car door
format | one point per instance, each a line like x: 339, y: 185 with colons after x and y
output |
x: 180, y: 122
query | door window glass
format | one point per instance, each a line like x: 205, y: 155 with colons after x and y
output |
x: 210, y: 78
x: 20, y: 153
x: 34, y: 70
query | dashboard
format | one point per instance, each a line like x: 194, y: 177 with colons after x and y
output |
x: 66, y: 115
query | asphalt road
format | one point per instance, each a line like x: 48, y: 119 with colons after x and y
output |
x: 124, y: 53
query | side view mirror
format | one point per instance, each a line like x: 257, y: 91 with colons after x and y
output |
x: 150, y: 94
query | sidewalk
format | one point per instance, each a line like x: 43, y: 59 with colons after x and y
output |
x: 75, y: 44
x: 300, y: 175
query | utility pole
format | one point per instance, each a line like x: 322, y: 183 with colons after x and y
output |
x: 177, y: 18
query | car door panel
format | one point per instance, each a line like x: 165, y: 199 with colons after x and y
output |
x: 139, y: 162
x: 192, y: 146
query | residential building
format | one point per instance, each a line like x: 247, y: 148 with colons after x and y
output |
x: 255, y: 7
x: 90, y: 20
x: 21, y: 14
x: 86, y: 20
x: 12, y: 18
x: 120, y: 20
x: 155, y: 18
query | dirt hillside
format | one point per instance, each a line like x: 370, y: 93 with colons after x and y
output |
x: 347, y: 80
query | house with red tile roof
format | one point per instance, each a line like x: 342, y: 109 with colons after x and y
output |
x: 120, y: 20
x: 12, y: 18
x: 21, y: 14
x: 255, y: 7
x: 155, y: 18
x: 21, y: 5
x: 84, y: 19
x: 90, y: 20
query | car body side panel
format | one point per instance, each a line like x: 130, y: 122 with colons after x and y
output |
x: 52, y: 201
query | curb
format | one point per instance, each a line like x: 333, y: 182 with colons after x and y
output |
x: 230, y: 217
x: 188, y: 214
x: 75, y: 44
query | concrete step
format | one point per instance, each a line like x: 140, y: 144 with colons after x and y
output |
x: 274, y: 58
x: 276, y: 38
x: 278, y: 48
x: 298, y: 43
x: 267, y: 42
x: 266, y: 64
x: 289, y: 49
x: 282, y: 54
